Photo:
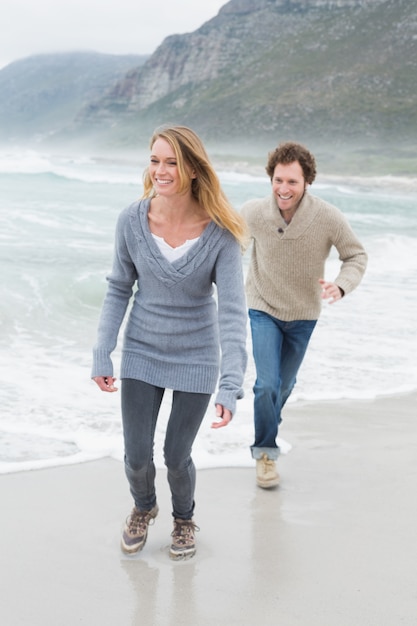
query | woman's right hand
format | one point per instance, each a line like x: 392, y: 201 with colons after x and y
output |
x: 106, y: 383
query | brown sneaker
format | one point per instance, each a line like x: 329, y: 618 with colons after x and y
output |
x: 183, y: 541
x: 136, y: 529
x: 266, y: 473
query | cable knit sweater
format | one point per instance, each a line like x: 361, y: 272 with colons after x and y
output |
x: 175, y: 324
x: 288, y: 260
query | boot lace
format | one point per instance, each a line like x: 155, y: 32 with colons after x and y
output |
x: 183, y: 533
x: 138, y: 522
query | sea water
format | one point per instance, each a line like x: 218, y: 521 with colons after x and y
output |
x: 57, y: 217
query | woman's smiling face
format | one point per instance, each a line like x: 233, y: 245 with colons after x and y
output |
x: 163, y: 168
x: 167, y: 176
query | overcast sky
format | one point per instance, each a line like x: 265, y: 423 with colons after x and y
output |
x: 113, y: 26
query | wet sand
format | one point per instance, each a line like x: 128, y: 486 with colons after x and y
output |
x: 334, y: 545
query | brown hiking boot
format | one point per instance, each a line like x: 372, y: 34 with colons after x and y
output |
x: 266, y: 472
x: 183, y: 540
x: 135, y: 531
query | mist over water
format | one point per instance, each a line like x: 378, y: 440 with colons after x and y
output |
x: 57, y: 219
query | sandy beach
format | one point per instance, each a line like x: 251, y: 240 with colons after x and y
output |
x: 334, y: 545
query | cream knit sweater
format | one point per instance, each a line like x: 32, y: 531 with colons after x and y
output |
x: 288, y: 260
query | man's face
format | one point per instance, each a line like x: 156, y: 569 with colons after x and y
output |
x: 288, y: 186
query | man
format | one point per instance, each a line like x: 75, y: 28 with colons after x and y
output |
x: 293, y: 233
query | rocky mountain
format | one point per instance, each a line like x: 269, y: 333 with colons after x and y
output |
x: 42, y: 94
x: 302, y: 68
x: 332, y: 72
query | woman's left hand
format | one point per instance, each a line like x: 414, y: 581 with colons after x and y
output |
x: 225, y: 414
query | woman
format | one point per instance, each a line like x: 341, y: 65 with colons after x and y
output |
x: 176, y: 243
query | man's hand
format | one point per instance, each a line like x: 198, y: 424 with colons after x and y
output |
x: 330, y: 291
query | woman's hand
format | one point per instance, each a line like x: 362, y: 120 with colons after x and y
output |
x: 224, y: 414
x: 106, y: 383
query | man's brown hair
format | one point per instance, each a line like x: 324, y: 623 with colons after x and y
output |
x: 289, y: 152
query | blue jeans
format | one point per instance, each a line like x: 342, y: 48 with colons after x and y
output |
x: 278, y: 350
x: 140, y: 407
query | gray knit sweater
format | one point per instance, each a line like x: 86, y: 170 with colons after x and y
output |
x: 288, y: 260
x: 177, y: 320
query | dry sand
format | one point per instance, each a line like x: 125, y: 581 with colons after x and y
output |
x: 334, y: 545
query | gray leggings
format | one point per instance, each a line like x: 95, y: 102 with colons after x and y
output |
x: 140, y: 407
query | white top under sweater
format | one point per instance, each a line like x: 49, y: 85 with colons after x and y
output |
x: 170, y: 253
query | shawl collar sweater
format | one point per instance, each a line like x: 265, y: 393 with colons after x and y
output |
x: 177, y: 321
x: 289, y: 259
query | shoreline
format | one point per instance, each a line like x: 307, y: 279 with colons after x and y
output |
x: 338, y: 533
x: 293, y: 410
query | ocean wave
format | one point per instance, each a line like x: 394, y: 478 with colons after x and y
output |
x: 393, y: 253
x: 236, y: 177
x: 81, y: 169
x: 90, y: 169
x: 56, y: 251
x: 375, y: 185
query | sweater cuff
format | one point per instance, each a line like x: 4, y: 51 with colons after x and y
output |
x: 102, y: 363
x: 228, y: 399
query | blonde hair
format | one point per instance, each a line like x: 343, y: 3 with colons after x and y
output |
x: 205, y: 187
